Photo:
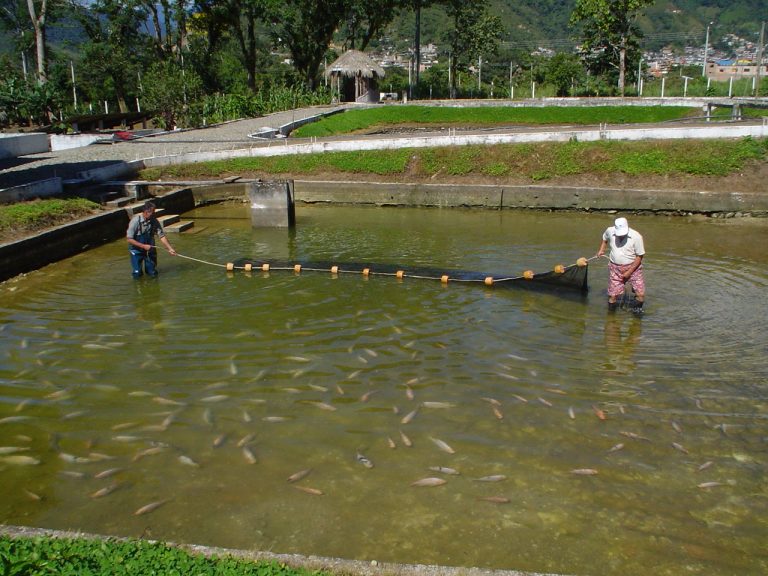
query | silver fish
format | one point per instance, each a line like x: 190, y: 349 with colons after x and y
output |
x: 107, y: 473
x: 186, y: 460
x: 429, y: 482
x: 444, y: 470
x: 19, y: 460
x: 492, y: 478
x: 405, y: 439
x: 680, y: 448
x: 296, y: 476
x: 584, y: 471
x: 408, y: 417
x: 245, y: 440
x: 249, y: 456
x: 151, y: 507
x: 443, y: 445
x: 12, y: 449
x: 106, y: 491
x: 363, y: 460
x: 438, y: 404
x: 215, y: 398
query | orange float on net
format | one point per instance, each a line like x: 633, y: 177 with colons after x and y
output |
x: 400, y: 274
x: 265, y: 267
x: 528, y: 274
x: 297, y: 268
x: 444, y: 278
x: 559, y: 269
x: 230, y: 266
x: 334, y: 269
x: 488, y: 280
x: 581, y: 261
x: 248, y: 267
x: 366, y: 271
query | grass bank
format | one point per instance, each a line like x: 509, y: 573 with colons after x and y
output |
x: 25, y: 217
x: 84, y: 557
x: 370, y: 119
x: 535, y: 162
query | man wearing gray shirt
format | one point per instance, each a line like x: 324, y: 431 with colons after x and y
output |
x: 141, y: 241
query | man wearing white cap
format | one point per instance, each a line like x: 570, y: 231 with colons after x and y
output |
x: 625, y: 262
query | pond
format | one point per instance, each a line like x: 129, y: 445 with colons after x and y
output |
x: 301, y: 413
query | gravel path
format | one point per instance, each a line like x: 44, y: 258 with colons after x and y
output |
x: 68, y: 163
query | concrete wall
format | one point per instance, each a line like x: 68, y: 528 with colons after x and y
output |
x: 39, y: 189
x: 540, y: 197
x: 67, y: 141
x: 15, y: 145
x: 73, y: 238
x: 61, y: 242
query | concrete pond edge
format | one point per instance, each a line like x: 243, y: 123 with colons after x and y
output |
x: 340, y: 566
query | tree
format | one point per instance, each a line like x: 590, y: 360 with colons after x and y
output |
x: 115, y: 47
x: 365, y: 20
x: 608, y: 33
x: 475, y: 33
x: 305, y: 28
x: 38, y: 14
x: 563, y: 70
x: 168, y: 91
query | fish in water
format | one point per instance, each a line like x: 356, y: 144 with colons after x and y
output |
x: 215, y: 398
x: 405, y: 439
x: 634, y: 436
x: 249, y: 456
x: 584, y: 472
x: 438, y: 404
x: 680, y: 448
x: 598, y: 412
x: 363, y: 460
x: 19, y: 460
x: 13, y: 419
x: 245, y: 440
x: 308, y: 490
x: 408, y: 417
x: 495, y: 499
x: 391, y: 443
x: 444, y: 470
x: 491, y: 401
x: 324, y: 406
x: 296, y: 476
x: 107, y: 473
x: 186, y: 460
x: 12, y: 449
x: 443, y: 445
x: 492, y: 478
x: 106, y: 491
x: 365, y: 397
x: 429, y: 482
x: 616, y: 447
x: 151, y: 507
x: 709, y: 485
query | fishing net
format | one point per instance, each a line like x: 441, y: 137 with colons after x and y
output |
x: 571, y: 278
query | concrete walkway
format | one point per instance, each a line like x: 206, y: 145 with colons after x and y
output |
x: 68, y: 163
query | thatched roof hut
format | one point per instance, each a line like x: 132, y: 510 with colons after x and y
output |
x: 354, y: 75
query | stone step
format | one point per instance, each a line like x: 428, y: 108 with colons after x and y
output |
x: 167, y: 219
x: 179, y: 226
x: 119, y: 202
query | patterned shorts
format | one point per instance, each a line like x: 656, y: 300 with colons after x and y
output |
x: 616, y: 280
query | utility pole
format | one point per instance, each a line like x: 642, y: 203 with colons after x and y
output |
x: 74, y: 86
x: 706, y: 50
x: 759, y: 60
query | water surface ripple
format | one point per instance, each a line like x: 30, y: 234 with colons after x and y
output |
x: 563, y: 439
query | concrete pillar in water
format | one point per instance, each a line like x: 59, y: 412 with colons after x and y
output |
x: 272, y: 204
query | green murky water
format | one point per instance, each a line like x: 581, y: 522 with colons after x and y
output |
x: 205, y: 391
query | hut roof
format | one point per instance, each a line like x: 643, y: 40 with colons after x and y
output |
x: 354, y: 62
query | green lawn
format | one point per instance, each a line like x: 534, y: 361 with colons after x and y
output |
x: 392, y: 115
x: 535, y: 162
x: 84, y: 557
x: 23, y: 217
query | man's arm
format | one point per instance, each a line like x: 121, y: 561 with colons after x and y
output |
x: 632, y: 267
x: 167, y: 244
x: 601, y: 250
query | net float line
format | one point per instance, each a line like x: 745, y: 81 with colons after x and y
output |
x: 573, y: 276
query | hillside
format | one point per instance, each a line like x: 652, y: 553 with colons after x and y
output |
x: 544, y: 23
x: 536, y: 24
